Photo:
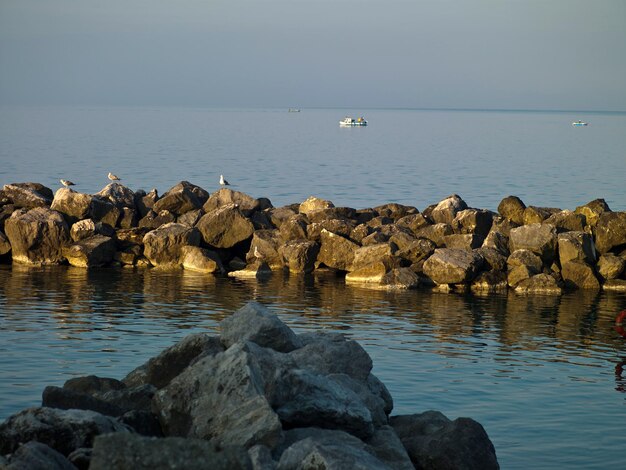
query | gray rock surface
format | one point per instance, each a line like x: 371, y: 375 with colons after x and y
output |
x: 34, y: 455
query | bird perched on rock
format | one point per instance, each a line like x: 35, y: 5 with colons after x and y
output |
x: 223, y: 182
x: 112, y: 177
x: 66, y: 183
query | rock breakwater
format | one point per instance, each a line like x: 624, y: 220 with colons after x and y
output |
x: 447, y: 246
x: 256, y: 397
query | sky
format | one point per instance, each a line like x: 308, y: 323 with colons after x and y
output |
x: 470, y: 54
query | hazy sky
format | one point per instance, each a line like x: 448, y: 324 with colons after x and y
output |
x: 521, y: 54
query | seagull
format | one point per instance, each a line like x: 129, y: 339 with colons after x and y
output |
x: 257, y: 254
x: 112, y: 177
x: 66, y: 183
x: 223, y: 182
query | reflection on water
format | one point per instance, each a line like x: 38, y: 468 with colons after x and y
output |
x: 543, y: 374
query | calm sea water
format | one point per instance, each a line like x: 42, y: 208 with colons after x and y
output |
x: 543, y: 374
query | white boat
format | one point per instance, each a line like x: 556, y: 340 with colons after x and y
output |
x: 351, y: 122
x: 579, y: 123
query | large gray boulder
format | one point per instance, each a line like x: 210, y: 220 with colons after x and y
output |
x: 225, y: 227
x: 160, y: 370
x: 253, y: 322
x: 435, y: 442
x: 539, y: 238
x: 28, y: 195
x: 132, y: 452
x: 92, y: 252
x: 220, y: 398
x: 34, y: 455
x: 63, y: 430
x: 164, y: 245
x: 37, y: 236
x: 452, y: 266
x: 610, y: 232
x: 336, y: 252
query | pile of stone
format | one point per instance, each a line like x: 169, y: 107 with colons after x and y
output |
x: 447, y: 246
x: 256, y: 397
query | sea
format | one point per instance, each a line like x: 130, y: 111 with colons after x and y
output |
x: 543, y: 374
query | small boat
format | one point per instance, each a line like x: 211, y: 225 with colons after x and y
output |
x: 351, y: 122
x: 294, y: 110
x: 579, y: 123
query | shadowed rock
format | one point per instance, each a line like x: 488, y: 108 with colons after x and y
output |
x: 610, y: 232
x: 95, y: 251
x: 34, y: 455
x: 512, y: 208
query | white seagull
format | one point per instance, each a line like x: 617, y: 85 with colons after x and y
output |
x: 112, y: 177
x: 223, y: 182
x: 66, y: 183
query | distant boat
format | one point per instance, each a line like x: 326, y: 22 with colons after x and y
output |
x: 294, y: 110
x: 579, y: 123
x: 351, y: 122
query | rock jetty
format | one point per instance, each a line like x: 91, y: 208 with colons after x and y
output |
x: 258, y: 396
x: 448, y: 246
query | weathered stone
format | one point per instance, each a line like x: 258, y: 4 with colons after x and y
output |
x: 452, y: 266
x: 520, y: 273
x: 493, y: 259
x: 118, y: 194
x: 160, y: 370
x: 81, y: 458
x: 264, y: 247
x: 539, y: 284
x: 395, y: 211
x: 190, y: 218
x: 5, y: 213
x: 261, y: 458
x: 525, y: 258
x: 436, y: 233
x: 294, y: 227
x: 154, y: 220
x: 65, y: 399
x: 371, y: 273
x: 225, y: 227
x: 299, y: 256
x: 336, y: 251
x: 130, y: 236
x: 28, y: 195
x: 373, y: 402
x: 103, y: 210
x: 611, y: 266
x: 202, y: 260
x: 399, y: 278
x: 566, y: 221
x: 576, y: 246
x: 314, y: 204
x: 227, y: 197
x: 541, y: 239
x: 374, y: 238
x: 537, y: 215
x: 220, y: 398
x: 137, y: 398
x: 114, y: 451
x: 63, y: 430
x: 387, y: 447
x: 164, y: 245
x: 580, y: 275
x: 413, y: 250
x: 37, y: 236
x: 593, y: 210
x: 87, y: 228
x: 178, y: 200
x: 145, y: 202
x: 498, y: 241
x: 490, y: 281
x: 339, y: 227
x: 413, y: 222
x: 95, y: 251
x: 34, y: 455
x: 446, y: 210
x: 278, y: 215
x: 473, y: 221
x: 466, y: 241
x: 610, y: 232
x: 512, y: 208
x: 254, y: 322
x: 75, y: 206
x: 435, y: 442
x: 367, y: 255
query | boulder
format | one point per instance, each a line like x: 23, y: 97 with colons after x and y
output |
x: 512, y: 208
x: 227, y: 197
x: 103, y: 210
x: 380, y: 252
x: 610, y: 232
x: 153, y: 220
x: 28, y: 195
x: 593, y: 210
x: 220, y: 398
x: 580, y: 275
x: 145, y: 202
x: 178, y: 200
x: 498, y: 241
x: 336, y: 251
x: 91, y: 384
x: 264, y: 247
x: 133, y: 452
x: 526, y: 258
x: 473, y: 221
x: 278, y: 215
x: 164, y: 245
x: 63, y: 430
x: 536, y: 215
x: 66, y: 399
x: 202, y: 260
x: 399, y: 279
x: 412, y: 249
x: 190, y: 218
x: 294, y: 227
x: 314, y: 204
x: 490, y: 281
x: 160, y: 370
x: 435, y: 442
x: 520, y: 273
x: 225, y: 227
x: 255, y: 270
x: 299, y: 256
x: 254, y: 322
x: 75, y: 206
x: 539, y: 284
x: 395, y: 211
x: 118, y: 194
x: 452, y: 266
x: 576, y: 246
x: 446, y: 210
x: 37, y: 236
x: 339, y: 227
x: 92, y: 252
x: 466, y: 241
x: 494, y: 260
x: 413, y: 222
x: 87, y: 228
x: 436, y: 233
x: 609, y: 266
x: 34, y: 455
x: 566, y: 221
x: 539, y: 238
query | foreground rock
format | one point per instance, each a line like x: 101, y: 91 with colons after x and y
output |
x: 259, y: 396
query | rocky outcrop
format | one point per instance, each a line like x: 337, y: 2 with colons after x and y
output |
x: 390, y: 246
x: 258, y: 396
